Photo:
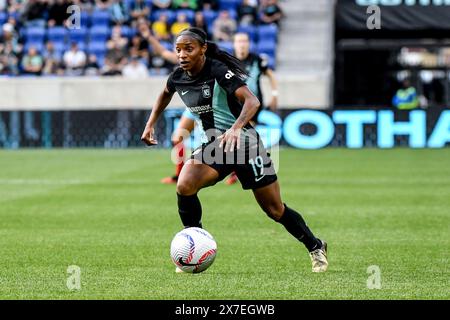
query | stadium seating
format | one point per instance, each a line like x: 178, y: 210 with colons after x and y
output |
x: 128, y: 3
x: 39, y: 46
x: 15, y: 15
x: 85, y: 19
x: 78, y: 35
x: 229, y: 4
x: 97, y: 48
x: 3, y: 17
x: 190, y: 14
x: 209, y: 16
x: 226, y: 46
x: 250, y: 30
x: 99, y: 33
x: 96, y: 30
x: 100, y: 59
x: 35, y: 33
x: 81, y: 46
x: 100, y: 18
x: 59, y: 47
x: 167, y: 45
x: 171, y: 15
x: 128, y: 32
x: 266, y: 46
x: 57, y: 34
x: 268, y: 32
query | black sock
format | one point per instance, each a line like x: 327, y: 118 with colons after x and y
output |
x: 190, y: 210
x: 295, y: 225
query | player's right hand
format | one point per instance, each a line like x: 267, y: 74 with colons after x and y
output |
x: 145, y: 32
x: 148, y: 136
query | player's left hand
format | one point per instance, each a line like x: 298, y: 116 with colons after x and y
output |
x: 230, y: 140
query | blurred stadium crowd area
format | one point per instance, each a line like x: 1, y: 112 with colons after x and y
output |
x: 47, y: 38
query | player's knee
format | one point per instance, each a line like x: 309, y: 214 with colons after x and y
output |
x: 186, y: 188
x: 176, y: 140
x: 274, y: 211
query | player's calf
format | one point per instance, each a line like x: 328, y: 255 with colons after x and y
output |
x: 274, y: 210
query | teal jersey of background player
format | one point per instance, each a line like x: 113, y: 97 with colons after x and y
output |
x: 188, y: 114
x: 209, y: 95
x: 256, y: 65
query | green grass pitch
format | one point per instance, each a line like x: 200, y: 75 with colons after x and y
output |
x: 106, y: 212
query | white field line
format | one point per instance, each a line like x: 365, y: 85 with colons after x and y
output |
x: 42, y: 182
x: 66, y: 182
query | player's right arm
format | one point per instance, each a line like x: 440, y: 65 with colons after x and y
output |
x: 158, y: 48
x: 162, y: 51
x: 162, y: 102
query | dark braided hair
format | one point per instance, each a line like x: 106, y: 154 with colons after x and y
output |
x: 213, y: 51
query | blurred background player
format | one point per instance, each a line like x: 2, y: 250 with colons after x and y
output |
x: 256, y: 66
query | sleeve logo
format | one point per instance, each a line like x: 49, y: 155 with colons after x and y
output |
x: 229, y: 74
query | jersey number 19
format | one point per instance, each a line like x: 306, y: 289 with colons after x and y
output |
x: 258, y: 167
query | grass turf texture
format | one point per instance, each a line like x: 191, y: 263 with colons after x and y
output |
x: 106, y: 212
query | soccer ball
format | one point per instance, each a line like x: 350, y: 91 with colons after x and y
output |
x: 193, y: 250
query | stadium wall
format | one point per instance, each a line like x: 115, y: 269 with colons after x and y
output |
x: 119, y: 93
x: 300, y: 128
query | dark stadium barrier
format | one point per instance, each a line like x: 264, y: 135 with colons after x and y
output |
x: 399, y: 18
x: 302, y: 128
x: 374, y: 43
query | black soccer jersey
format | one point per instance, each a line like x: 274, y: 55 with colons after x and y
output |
x: 209, y: 95
x: 256, y: 66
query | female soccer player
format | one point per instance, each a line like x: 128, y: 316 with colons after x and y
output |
x: 256, y: 66
x: 211, y: 84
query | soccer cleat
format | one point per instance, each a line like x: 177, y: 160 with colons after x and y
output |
x: 178, y: 270
x: 169, y: 180
x: 232, y: 179
x: 319, y: 258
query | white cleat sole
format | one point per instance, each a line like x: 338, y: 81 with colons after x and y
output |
x: 178, y: 270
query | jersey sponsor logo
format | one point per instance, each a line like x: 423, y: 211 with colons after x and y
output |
x: 184, y: 92
x: 206, y: 91
x: 201, y: 109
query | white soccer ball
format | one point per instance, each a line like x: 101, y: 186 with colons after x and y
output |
x: 193, y: 250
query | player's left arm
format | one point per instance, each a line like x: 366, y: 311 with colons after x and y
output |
x: 250, y: 105
x: 231, y: 138
x: 273, y: 105
x: 236, y: 86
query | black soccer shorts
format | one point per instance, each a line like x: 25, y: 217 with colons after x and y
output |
x: 251, y: 161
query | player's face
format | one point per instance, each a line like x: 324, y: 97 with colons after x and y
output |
x: 241, y: 45
x: 189, y: 52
